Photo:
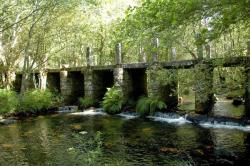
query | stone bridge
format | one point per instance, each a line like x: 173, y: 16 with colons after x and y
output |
x: 137, y: 79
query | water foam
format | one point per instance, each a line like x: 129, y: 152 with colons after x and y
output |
x: 90, y: 112
x: 180, y: 120
x: 169, y: 118
x: 225, y: 126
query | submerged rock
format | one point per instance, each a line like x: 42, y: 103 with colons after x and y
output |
x: 198, y: 152
x: 7, y: 121
x: 169, y: 150
x: 237, y: 101
x: 76, y: 127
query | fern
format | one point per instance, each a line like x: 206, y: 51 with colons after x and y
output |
x: 149, y: 105
x: 86, y: 102
x: 113, y: 101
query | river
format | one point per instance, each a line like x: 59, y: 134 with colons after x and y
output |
x: 126, y: 140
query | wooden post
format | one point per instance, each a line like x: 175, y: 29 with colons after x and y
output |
x: 88, y: 56
x: 199, y: 46
x: 156, y: 44
x: 173, y: 54
x: 118, y: 55
x: 142, y: 55
x: 208, y: 50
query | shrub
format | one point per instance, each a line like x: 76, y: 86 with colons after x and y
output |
x: 86, y: 102
x: 149, y: 105
x: 113, y: 101
x: 8, y: 101
x: 35, y: 100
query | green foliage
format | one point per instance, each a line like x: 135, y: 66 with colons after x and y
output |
x: 113, y: 101
x: 34, y: 100
x: 8, y: 101
x: 86, y: 102
x: 235, y: 93
x: 57, y: 100
x: 149, y: 105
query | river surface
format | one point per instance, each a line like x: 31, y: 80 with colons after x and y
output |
x: 74, y: 139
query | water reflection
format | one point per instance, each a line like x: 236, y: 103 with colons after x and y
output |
x: 47, y: 140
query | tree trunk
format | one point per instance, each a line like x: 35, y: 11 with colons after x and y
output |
x: 24, y: 84
x: 9, y: 79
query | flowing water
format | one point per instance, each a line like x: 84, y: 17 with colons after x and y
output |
x: 126, y: 140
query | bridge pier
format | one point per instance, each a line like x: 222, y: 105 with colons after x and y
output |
x: 121, y: 80
x: 247, y: 93
x: 88, y: 84
x: 203, y: 88
x: 247, y: 72
x: 65, y: 91
x: 163, y: 84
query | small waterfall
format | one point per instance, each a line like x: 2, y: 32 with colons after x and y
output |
x: 170, y: 118
x: 90, y: 112
x: 219, y: 122
x: 67, y: 109
x: 201, y: 120
x: 225, y: 125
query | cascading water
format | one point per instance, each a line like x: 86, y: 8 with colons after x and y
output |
x: 129, y: 115
x: 91, y: 112
x: 203, y: 121
x: 178, y: 119
x: 169, y: 118
x: 225, y: 126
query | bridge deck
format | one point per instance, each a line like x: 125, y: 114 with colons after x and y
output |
x: 240, y: 61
